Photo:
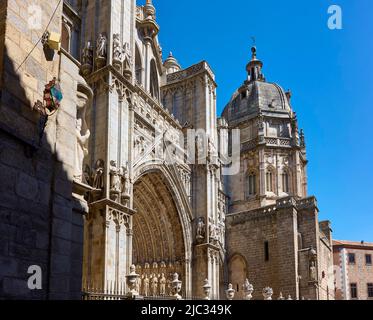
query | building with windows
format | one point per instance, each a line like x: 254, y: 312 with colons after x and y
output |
x: 353, y: 270
x: 273, y: 232
x: 110, y: 178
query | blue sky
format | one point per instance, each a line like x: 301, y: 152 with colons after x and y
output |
x: 329, y: 73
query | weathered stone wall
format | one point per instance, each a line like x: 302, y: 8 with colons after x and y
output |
x: 247, y: 238
x: 291, y: 233
x: 37, y: 221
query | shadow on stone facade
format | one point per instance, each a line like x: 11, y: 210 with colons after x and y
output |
x: 37, y: 223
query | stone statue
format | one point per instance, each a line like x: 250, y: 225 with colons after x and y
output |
x: 154, y: 285
x: 127, y: 57
x: 201, y: 230
x: 169, y: 285
x: 126, y: 183
x: 82, y: 136
x: 117, y: 48
x: 101, y: 50
x: 213, y: 231
x: 162, y: 285
x: 87, y: 54
x: 146, y: 286
x: 115, y: 177
x: 313, y: 271
x: 98, y: 175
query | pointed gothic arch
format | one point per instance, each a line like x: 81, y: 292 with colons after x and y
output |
x: 162, y: 231
x: 138, y: 66
x: 251, y: 183
x: 238, y: 272
x: 154, y: 82
x: 271, y: 179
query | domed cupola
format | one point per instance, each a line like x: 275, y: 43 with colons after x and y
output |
x: 171, y: 64
x: 256, y: 95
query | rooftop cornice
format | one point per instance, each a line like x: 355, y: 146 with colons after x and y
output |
x: 192, y: 71
x: 281, y: 204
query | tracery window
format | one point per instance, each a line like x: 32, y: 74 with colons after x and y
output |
x: 251, y: 184
x: 154, y: 86
x: 138, y: 66
x: 285, y: 182
x: 269, y: 181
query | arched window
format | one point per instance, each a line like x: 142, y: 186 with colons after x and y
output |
x: 285, y: 182
x: 154, y: 86
x: 251, y: 185
x: 138, y: 66
x: 238, y: 273
x: 269, y: 181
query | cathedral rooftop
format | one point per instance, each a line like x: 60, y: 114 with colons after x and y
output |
x: 256, y: 94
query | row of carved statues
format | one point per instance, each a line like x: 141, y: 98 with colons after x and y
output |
x: 155, y: 285
x: 121, y: 54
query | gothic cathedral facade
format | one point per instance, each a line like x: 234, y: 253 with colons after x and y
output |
x: 137, y: 168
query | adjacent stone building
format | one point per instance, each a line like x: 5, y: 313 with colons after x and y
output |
x: 353, y: 270
x: 135, y: 166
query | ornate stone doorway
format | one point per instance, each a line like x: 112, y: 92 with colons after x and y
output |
x: 161, y: 234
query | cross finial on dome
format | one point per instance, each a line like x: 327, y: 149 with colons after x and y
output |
x: 170, y: 55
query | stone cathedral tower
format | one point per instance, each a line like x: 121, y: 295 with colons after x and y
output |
x: 273, y: 233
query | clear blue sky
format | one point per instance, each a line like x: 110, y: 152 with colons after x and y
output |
x: 329, y: 73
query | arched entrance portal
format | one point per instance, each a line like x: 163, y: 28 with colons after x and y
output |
x: 159, y: 243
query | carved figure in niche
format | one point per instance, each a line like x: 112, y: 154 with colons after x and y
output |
x: 213, y: 231
x: 126, y: 181
x: 201, y: 229
x: 82, y: 136
x: 98, y: 175
x: 115, y: 177
x: 117, y: 48
x: 87, y: 54
x: 101, y: 50
x: 146, y: 286
x: 139, y: 145
x: 154, y: 285
x: 169, y: 284
x: 127, y: 57
x: 162, y: 285
x: 313, y: 271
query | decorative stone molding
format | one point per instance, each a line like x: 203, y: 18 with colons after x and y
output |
x: 120, y: 218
